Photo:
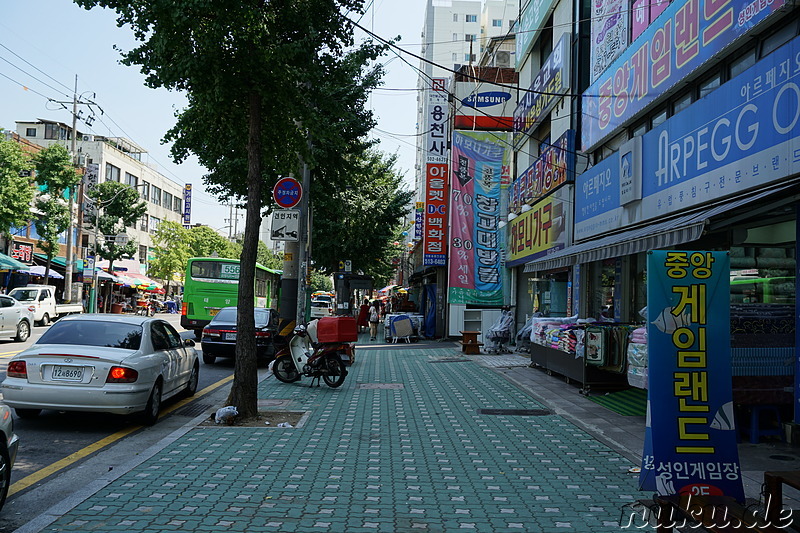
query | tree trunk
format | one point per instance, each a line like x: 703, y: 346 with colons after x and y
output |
x: 47, y: 270
x: 244, y: 390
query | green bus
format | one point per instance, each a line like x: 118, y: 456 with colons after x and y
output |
x: 212, y: 283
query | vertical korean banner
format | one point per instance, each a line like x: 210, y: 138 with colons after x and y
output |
x: 419, y: 220
x: 690, y: 443
x: 476, y: 247
x: 434, y: 251
x: 187, y: 203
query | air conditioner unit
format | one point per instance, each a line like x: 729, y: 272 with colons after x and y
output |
x: 88, y: 137
x: 502, y: 59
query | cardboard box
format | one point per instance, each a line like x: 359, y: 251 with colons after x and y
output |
x: 337, y: 329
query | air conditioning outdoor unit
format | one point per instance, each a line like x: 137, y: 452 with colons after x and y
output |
x: 502, y: 59
x: 88, y: 137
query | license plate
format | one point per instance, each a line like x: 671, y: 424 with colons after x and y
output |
x: 213, y: 312
x: 67, y: 373
x: 230, y: 336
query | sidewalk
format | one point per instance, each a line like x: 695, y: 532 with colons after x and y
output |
x: 401, y: 446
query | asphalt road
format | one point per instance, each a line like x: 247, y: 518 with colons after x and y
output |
x: 59, y: 451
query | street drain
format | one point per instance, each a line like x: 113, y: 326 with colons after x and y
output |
x: 516, y: 412
x: 193, y: 409
x: 459, y: 360
x: 782, y: 457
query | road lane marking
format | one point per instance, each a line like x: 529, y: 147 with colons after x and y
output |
x: 51, y: 469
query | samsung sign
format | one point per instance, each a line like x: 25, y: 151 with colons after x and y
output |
x: 486, y: 99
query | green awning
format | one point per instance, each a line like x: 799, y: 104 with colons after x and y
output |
x: 60, y: 261
x: 9, y: 263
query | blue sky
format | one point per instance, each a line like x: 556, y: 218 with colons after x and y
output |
x: 44, y: 44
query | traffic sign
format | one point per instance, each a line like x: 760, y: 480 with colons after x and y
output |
x: 286, y: 225
x: 287, y: 192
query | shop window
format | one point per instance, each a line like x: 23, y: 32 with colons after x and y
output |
x: 763, y: 276
x: 638, y: 276
x: 548, y: 294
x: 601, y: 289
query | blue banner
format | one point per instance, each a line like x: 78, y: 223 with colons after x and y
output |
x: 691, y: 448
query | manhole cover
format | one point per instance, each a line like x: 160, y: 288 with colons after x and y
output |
x: 516, y: 412
x: 193, y: 409
x: 459, y: 360
x: 782, y: 457
x: 273, y: 403
x: 379, y: 386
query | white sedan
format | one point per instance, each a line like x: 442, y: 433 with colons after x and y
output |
x: 9, y: 443
x: 117, y: 364
x: 16, y: 319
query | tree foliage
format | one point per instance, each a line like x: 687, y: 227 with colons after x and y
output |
x: 171, y: 252
x: 368, y: 207
x: 204, y: 241
x: 16, y: 190
x: 119, y: 207
x: 54, y: 171
x: 268, y: 258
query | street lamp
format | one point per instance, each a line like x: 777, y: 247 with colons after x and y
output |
x: 99, y: 206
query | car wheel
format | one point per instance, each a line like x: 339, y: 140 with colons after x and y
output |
x: 27, y: 413
x: 45, y: 320
x: 191, y: 387
x: 208, y: 358
x: 23, y: 331
x: 5, y: 473
x: 150, y: 413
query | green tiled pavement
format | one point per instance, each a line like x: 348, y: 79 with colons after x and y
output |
x: 399, y: 447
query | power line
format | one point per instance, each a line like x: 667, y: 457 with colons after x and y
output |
x: 27, y: 88
x: 35, y: 67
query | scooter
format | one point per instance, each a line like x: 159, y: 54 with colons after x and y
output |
x: 303, y: 356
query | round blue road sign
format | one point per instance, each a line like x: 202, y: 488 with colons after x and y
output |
x: 287, y: 192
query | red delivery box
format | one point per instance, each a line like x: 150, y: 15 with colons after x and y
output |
x: 337, y: 329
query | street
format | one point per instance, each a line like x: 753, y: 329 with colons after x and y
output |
x: 59, y: 450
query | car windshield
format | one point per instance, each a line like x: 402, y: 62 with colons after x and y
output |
x: 320, y: 304
x: 323, y: 299
x: 24, y: 295
x: 94, y: 333
x: 228, y: 316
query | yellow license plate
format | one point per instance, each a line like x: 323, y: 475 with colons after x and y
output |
x: 213, y: 312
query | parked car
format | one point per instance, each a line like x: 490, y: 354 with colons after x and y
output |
x: 219, y: 336
x: 9, y: 443
x: 16, y: 319
x: 321, y: 305
x: 119, y: 364
x: 43, y: 300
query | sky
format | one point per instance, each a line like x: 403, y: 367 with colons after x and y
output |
x: 44, y: 44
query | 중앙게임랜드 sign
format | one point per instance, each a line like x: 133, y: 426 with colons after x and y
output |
x: 690, y: 444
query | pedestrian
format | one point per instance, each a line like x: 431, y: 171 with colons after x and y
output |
x: 374, y: 318
x: 363, y: 316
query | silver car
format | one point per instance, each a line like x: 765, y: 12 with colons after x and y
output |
x: 16, y: 318
x: 9, y: 443
x: 118, y: 364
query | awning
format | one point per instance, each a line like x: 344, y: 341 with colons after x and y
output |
x: 9, y: 263
x: 39, y: 270
x: 655, y: 236
x: 140, y: 281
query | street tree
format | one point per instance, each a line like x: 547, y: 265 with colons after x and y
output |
x: 369, y: 207
x: 284, y: 68
x: 267, y: 257
x: 172, y: 252
x: 54, y: 171
x: 204, y: 241
x: 116, y: 207
x: 16, y: 188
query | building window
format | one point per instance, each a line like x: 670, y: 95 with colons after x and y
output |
x: 470, y: 37
x: 659, y: 117
x: 144, y: 222
x: 155, y: 195
x: 167, y: 197
x: 469, y: 57
x: 472, y: 18
x: 30, y: 132
x: 51, y: 131
x: 455, y: 56
x: 681, y: 102
x: 154, y: 222
x: 708, y: 85
x: 142, y: 254
x: 497, y: 23
x: 743, y: 62
x: 176, y: 206
x: 112, y: 172
x: 778, y: 39
x: 131, y: 180
x: 455, y: 17
x: 455, y: 36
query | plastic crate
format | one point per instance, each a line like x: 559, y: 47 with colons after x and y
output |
x: 337, y: 329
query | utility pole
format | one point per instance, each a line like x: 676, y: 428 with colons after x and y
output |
x: 305, y: 241
x: 73, y: 153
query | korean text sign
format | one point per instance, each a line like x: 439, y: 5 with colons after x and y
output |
x: 685, y: 36
x: 436, y: 122
x: 692, y: 441
x: 476, y: 244
x: 436, y: 200
x: 552, y: 169
x: 541, y: 231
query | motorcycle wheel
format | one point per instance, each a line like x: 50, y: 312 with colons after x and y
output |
x: 335, y: 371
x: 284, y: 370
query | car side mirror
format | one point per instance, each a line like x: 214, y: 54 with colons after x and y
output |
x: 188, y: 342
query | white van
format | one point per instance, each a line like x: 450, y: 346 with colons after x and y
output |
x: 43, y: 300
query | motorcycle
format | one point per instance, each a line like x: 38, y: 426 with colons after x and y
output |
x: 304, y: 356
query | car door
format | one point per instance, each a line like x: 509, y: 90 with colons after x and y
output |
x: 5, y: 309
x: 184, y: 354
x: 168, y: 355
